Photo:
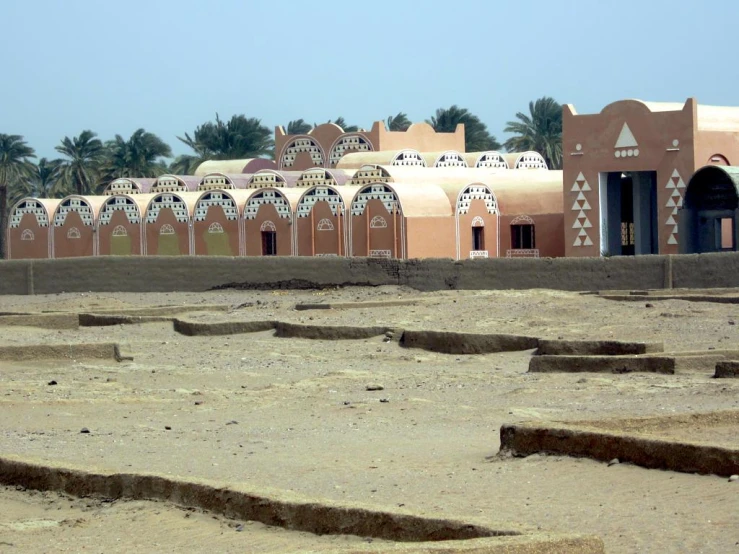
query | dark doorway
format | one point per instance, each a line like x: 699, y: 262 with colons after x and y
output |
x: 522, y: 237
x: 478, y: 238
x: 630, y: 217
x: 269, y: 243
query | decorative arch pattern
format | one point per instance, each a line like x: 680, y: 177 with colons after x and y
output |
x: 268, y: 226
x: 73, y: 205
x: 215, y: 181
x: 493, y: 159
x: 29, y: 207
x: 215, y: 228
x: 376, y: 192
x: 409, y: 158
x: 325, y: 225
x: 267, y: 197
x: 120, y: 231
x: 168, y: 183
x: 370, y: 174
x: 74, y: 233
x: 264, y: 179
x: 27, y: 234
x: 346, y: 142
x: 378, y: 222
x: 450, y: 159
x: 522, y: 220
x: 122, y: 186
x: 172, y: 201
x: 317, y: 194
x: 476, y: 192
x: 531, y: 160
x: 216, y: 198
x: 477, y: 221
x: 315, y: 176
x: 166, y: 229
x: 119, y: 203
x: 298, y: 145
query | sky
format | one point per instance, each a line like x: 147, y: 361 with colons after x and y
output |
x: 171, y: 65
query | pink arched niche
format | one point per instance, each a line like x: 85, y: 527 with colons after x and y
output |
x: 167, y: 226
x: 477, y: 222
x: 376, y: 221
x: 268, y: 222
x: 28, y: 228
x: 120, y: 226
x: 73, y: 228
x: 320, y: 223
x: 216, y: 225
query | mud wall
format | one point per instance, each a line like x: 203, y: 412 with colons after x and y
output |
x: 186, y: 273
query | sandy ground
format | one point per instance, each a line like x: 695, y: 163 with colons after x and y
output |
x: 295, y: 414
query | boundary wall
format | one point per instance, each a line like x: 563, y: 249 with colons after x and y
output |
x: 195, y: 274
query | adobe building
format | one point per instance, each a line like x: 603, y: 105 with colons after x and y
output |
x: 29, y: 229
x: 326, y: 144
x: 626, y: 170
x: 234, y: 167
x: 120, y: 225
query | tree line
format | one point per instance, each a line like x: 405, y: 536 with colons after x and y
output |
x: 87, y: 164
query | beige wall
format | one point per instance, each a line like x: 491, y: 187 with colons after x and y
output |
x: 312, y: 241
x: 430, y: 237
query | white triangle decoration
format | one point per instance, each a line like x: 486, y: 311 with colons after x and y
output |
x: 587, y: 224
x: 586, y: 206
x: 671, y: 203
x: 672, y: 240
x: 575, y: 188
x: 626, y: 138
x: 671, y: 220
x: 586, y: 187
x: 581, y: 196
x: 577, y: 224
x: 578, y: 242
x: 581, y: 204
x: 587, y: 241
x: 576, y: 206
x: 581, y: 215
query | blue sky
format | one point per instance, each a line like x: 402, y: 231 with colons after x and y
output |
x: 169, y: 65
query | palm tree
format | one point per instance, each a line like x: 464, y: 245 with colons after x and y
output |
x: 241, y: 137
x: 81, y: 168
x: 43, y: 182
x: 341, y: 122
x: 476, y: 135
x: 15, y: 166
x: 298, y: 127
x: 139, y: 156
x: 540, y: 131
x: 398, y: 122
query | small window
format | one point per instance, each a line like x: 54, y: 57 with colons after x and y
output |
x: 478, y: 238
x: 269, y: 243
x: 523, y: 237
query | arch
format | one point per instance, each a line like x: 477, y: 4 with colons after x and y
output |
x: 266, y: 178
x: 73, y: 233
x: 315, y: 176
x: 410, y: 158
x: 356, y: 142
x: 216, y: 198
x: 378, y: 222
x: 530, y: 160
x: 320, y: 193
x: 718, y: 159
x: 167, y: 200
x: 27, y: 234
x: 325, y: 225
x: 522, y: 220
x: 166, y: 229
x: 477, y: 221
x: 28, y: 206
x: 268, y: 226
x: 369, y: 174
x: 377, y: 191
x: 214, y: 181
x: 267, y: 196
x: 299, y: 144
x: 119, y: 231
x: 122, y: 186
x: 169, y: 183
x: 492, y: 159
x: 74, y: 204
x: 119, y: 203
x: 215, y: 227
x: 477, y: 191
x: 450, y: 159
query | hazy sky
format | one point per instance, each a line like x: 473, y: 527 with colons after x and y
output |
x: 169, y: 65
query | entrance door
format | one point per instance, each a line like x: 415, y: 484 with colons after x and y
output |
x: 629, y: 208
x: 478, y: 238
x: 269, y: 243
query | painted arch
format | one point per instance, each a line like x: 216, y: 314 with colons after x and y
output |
x: 215, y: 181
x: 316, y: 176
x: 28, y: 230
x: 450, y: 159
x: 302, y: 152
x: 368, y: 174
x: 263, y: 207
x: 530, y: 160
x: 167, y: 226
x: 119, y: 227
x: 123, y: 186
x: 73, y: 228
x: 492, y: 160
x: 409, y: 158
x: 216, y: 225
x: 319, y: 220
x: 266, y: 178
x: 476, y: 214
x: 369, y: 237
x: 169, y: 183
x: 350, y: 142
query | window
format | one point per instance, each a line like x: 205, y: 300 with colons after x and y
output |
x: 725, y: 234
x: 522, y: 237
x: 478, y: 238
x: 269, y: 243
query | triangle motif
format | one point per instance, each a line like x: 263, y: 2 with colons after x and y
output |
x: 578, y: 242
x: 581, y: 215
x: 671, y: 221
x: 575, y: 188
x: 672, y: 240
x: 577, y: 224
x: 586, y: 205
x: 587, y: 224
x: 587, y: 242
x: 576, y: 206
x: 626, y: 138
x: 581, y: 196
x: 586, y: 187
